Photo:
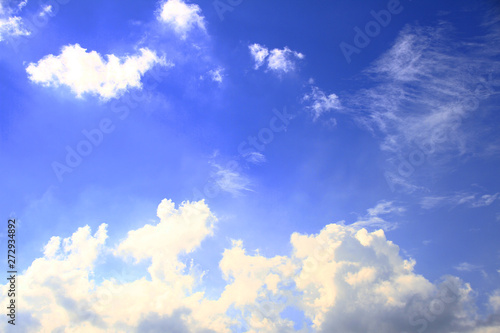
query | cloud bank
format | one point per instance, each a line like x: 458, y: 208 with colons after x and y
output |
x: 343, y: 278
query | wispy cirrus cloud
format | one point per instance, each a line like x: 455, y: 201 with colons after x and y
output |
x: 467, y: 267
x: 231, y: 181
x: 254, y: 157
x: 473, y: 200
x: 425, y: 86
x: 88, y: 73
x: 373, y: 217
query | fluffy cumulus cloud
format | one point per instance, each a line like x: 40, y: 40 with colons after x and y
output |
x: 320, y: 103
x: 182, y: 229
x: 87, y: 72
x: 343, y: 278
x: 276, y: 60
x: 181, y: 17
x: 10, y: 24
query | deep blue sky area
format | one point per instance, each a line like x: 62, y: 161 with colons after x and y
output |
x: 278, y: 130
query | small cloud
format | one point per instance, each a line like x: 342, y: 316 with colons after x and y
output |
x: 255, y: 157
x: 431, y: 202
x: 384, y: 207
x: 278, y: 60
x: 231, y: 181
x: 470, y: 199
x: 182, y: 17
x: 47, y: 9
x: 485, y: 200
x: 467, y: 267
x: 283, y: 60
x: 22, y: 4
x: 403, y: 183
x: 216, y: 74
x: 320, y: 103
x: 373, y: 220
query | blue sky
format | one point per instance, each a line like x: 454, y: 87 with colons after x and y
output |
x: 252, y: 166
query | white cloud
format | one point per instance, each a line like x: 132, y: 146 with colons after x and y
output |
x: 485, y: 200
x: 182, y: 17
x: 47, y: 9
x: 231, y: 180
x: 10, y: 24
x: 181, y: 229
x: 22, y: 4
x: 343, y: 279
x: 216, y: 74
x: 278, y: 60
x: 255, y: 157
x: 473, y: 200
x: 87, y: 72
x: 50, y: 250
x: 467, y: 267
x: 320, y: 103
x: 259, y: 54
x: 13, y: 25
x: 373, y: 220
x: 425, y: 87
x: 384, y: 207
x: 283, y: 60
